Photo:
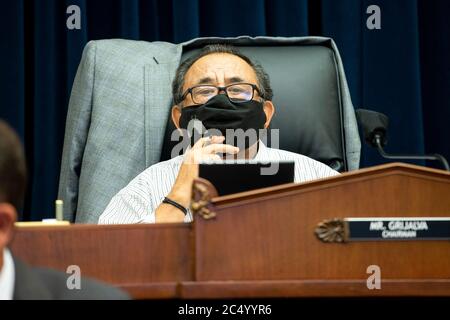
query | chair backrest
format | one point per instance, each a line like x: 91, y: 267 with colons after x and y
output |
x: 307, y: 97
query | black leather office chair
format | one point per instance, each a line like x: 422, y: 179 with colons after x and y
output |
x: 121, y: 99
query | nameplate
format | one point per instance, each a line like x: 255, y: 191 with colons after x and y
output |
x: 384, y: 229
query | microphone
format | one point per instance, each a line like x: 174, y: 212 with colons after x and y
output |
x: 375, y: 124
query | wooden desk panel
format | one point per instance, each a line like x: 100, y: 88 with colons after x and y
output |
x: 147, y: 260
x: 262, y: 243
x: 312, y: 289
x: 269, y: 235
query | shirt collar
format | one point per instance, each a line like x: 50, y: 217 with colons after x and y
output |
x: 261, y: 155
x: 7, y: 276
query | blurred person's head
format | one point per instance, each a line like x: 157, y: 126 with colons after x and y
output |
x: 12, y: 183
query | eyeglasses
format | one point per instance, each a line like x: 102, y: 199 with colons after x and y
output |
x: 236, y: 92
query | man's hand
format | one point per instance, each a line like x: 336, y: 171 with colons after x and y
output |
x: 205, y: 149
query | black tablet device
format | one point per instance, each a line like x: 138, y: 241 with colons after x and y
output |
x: 232, y: 177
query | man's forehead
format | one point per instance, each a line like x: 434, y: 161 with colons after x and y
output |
x: 219, y: 66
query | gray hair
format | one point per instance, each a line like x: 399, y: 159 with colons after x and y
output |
x: 261, y: 75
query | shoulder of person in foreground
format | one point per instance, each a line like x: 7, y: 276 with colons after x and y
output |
x: 47, y: 284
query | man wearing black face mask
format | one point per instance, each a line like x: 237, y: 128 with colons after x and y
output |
x: 226, y: 112
x: 224, y: 90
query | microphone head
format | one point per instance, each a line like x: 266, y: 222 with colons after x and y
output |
x: 373, y: 123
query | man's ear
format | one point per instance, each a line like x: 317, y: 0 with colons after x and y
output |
x: 269, y: 110
x: 8, y: 216
x: 176, y: 114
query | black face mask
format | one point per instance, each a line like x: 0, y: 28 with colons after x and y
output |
x: 221, y: 114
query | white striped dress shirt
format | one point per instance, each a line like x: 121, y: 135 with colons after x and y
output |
x: 137, y: 202
x: 7, y: 276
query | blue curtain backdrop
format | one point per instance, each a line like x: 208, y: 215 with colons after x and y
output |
x: 402, y: 70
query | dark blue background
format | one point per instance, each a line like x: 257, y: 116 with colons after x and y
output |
x: 402, y: 70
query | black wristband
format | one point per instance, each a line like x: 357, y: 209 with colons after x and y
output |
x: 175, y: 204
